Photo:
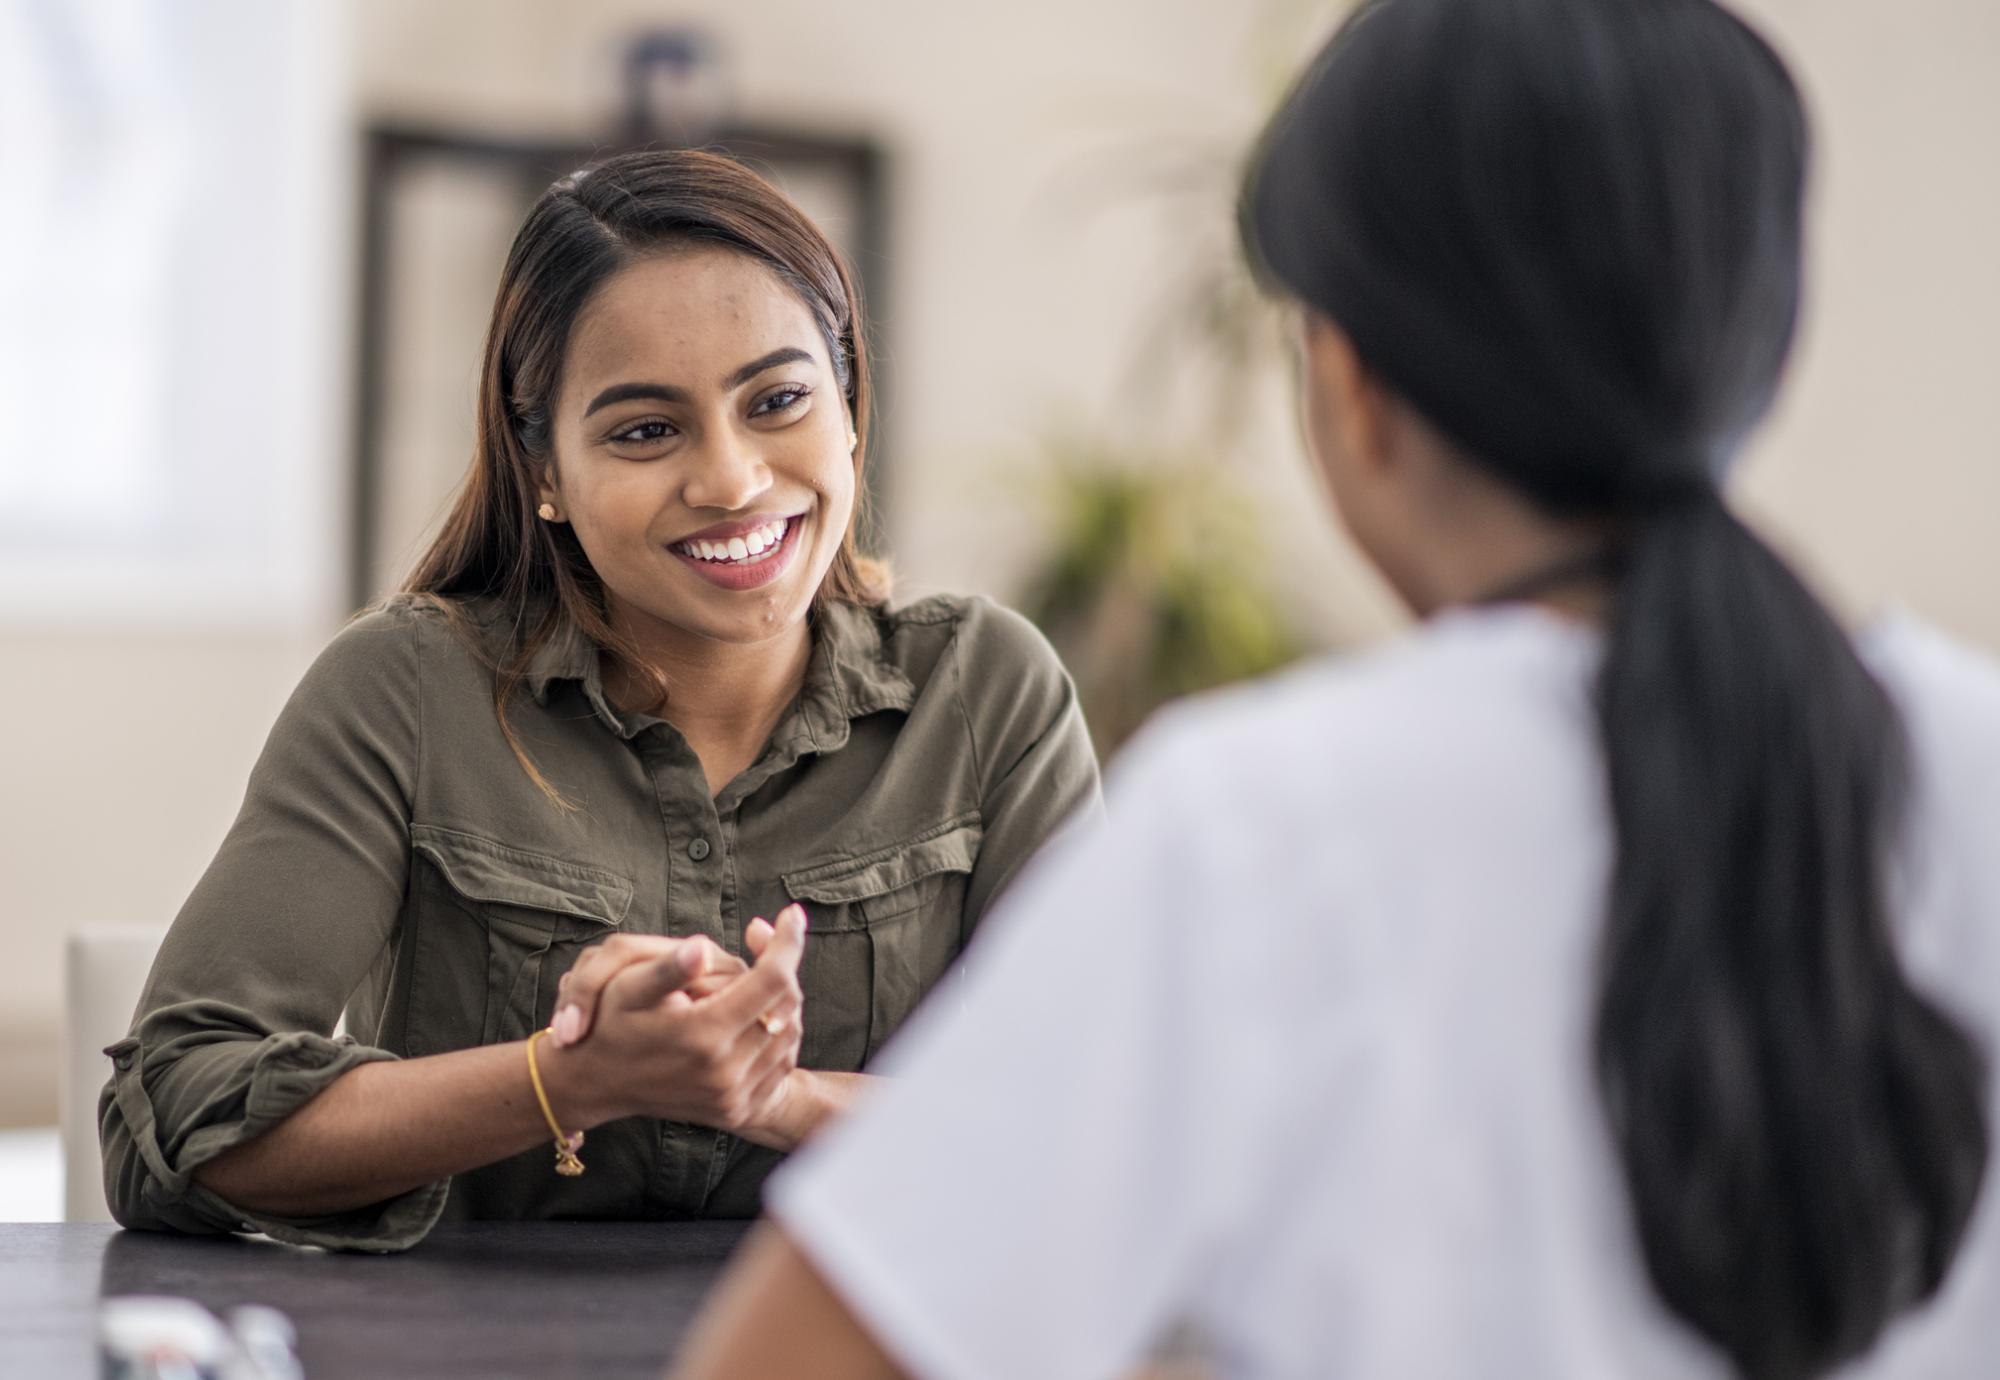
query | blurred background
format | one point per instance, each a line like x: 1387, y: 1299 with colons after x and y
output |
x: 249, y: 247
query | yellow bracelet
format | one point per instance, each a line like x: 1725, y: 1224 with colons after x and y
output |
x: 566, y: 1145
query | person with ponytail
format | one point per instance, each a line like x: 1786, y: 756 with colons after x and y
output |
x: 643, y: 814
x: 1598, y: 982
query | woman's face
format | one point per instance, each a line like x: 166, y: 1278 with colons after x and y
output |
x: 701, y: 448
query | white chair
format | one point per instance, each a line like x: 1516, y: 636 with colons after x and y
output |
x: 104, y: 971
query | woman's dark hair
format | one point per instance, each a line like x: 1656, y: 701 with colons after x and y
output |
x: 1568, y: 233
x: 585, y: 228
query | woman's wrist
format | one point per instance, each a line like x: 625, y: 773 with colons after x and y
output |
x: 797, y: 1110
x: 575, y: 1099
x: 811, y: 1098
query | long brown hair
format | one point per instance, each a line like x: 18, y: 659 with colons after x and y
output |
x: 582, y: 230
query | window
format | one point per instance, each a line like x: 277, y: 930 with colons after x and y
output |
x: 172, y: 310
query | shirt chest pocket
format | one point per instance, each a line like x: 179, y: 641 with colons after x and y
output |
x: 884, y: 928
x: 498, y: 927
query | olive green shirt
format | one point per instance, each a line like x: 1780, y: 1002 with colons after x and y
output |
x: 393, y: 861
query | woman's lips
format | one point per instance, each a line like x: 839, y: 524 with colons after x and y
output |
x: 751, y: 573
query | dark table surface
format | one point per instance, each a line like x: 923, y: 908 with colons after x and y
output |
x: 546, y: 1299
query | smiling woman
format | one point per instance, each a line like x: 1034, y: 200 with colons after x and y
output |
x: 772, y: 438
x: 642, y: 705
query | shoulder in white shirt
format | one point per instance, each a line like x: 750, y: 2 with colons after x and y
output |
x: 1294, y: 1048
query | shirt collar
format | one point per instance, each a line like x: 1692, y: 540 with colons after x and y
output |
x: 567, y: 655
x: 848, y: 677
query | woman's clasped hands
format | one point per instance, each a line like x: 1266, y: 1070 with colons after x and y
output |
x: 680, y: 1029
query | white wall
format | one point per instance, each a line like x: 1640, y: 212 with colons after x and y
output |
x: 125, y: 748
x: 1882, y: 465
x: 125, y: 757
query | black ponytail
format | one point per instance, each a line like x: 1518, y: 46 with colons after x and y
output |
x: 1802, y: 1133
x: 1567, y: 231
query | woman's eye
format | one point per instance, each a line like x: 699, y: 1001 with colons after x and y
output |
x: 643, y: 433
x: 781, y: 401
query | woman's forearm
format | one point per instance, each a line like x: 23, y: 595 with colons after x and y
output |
x: 383, y: 1129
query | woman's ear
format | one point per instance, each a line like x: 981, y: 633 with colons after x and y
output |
x: 548, y: 498
x: 1348, y: 396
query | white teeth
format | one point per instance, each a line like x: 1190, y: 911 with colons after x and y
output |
x: 746, y: 547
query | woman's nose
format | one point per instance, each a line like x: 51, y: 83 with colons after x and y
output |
x: 728, y: 473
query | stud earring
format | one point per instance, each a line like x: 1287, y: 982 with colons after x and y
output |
x: 853, y: 439
x: 547, y: 512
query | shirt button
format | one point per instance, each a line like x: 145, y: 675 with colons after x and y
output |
x: 698, y: 849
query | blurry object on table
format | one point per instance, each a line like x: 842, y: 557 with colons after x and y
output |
x: 164, y: 1337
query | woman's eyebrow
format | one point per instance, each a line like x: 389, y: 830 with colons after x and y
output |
x: 789, y: 354
x: 667, y: 392
x: 625, y: 392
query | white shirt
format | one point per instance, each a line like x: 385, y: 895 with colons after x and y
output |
x: 1295, y: 1049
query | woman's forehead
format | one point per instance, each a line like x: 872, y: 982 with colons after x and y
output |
x: 688, y: 318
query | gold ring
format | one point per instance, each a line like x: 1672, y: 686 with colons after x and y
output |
x: 771, y: 1022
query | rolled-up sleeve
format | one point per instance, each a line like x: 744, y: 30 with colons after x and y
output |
x: 234, y: 1030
